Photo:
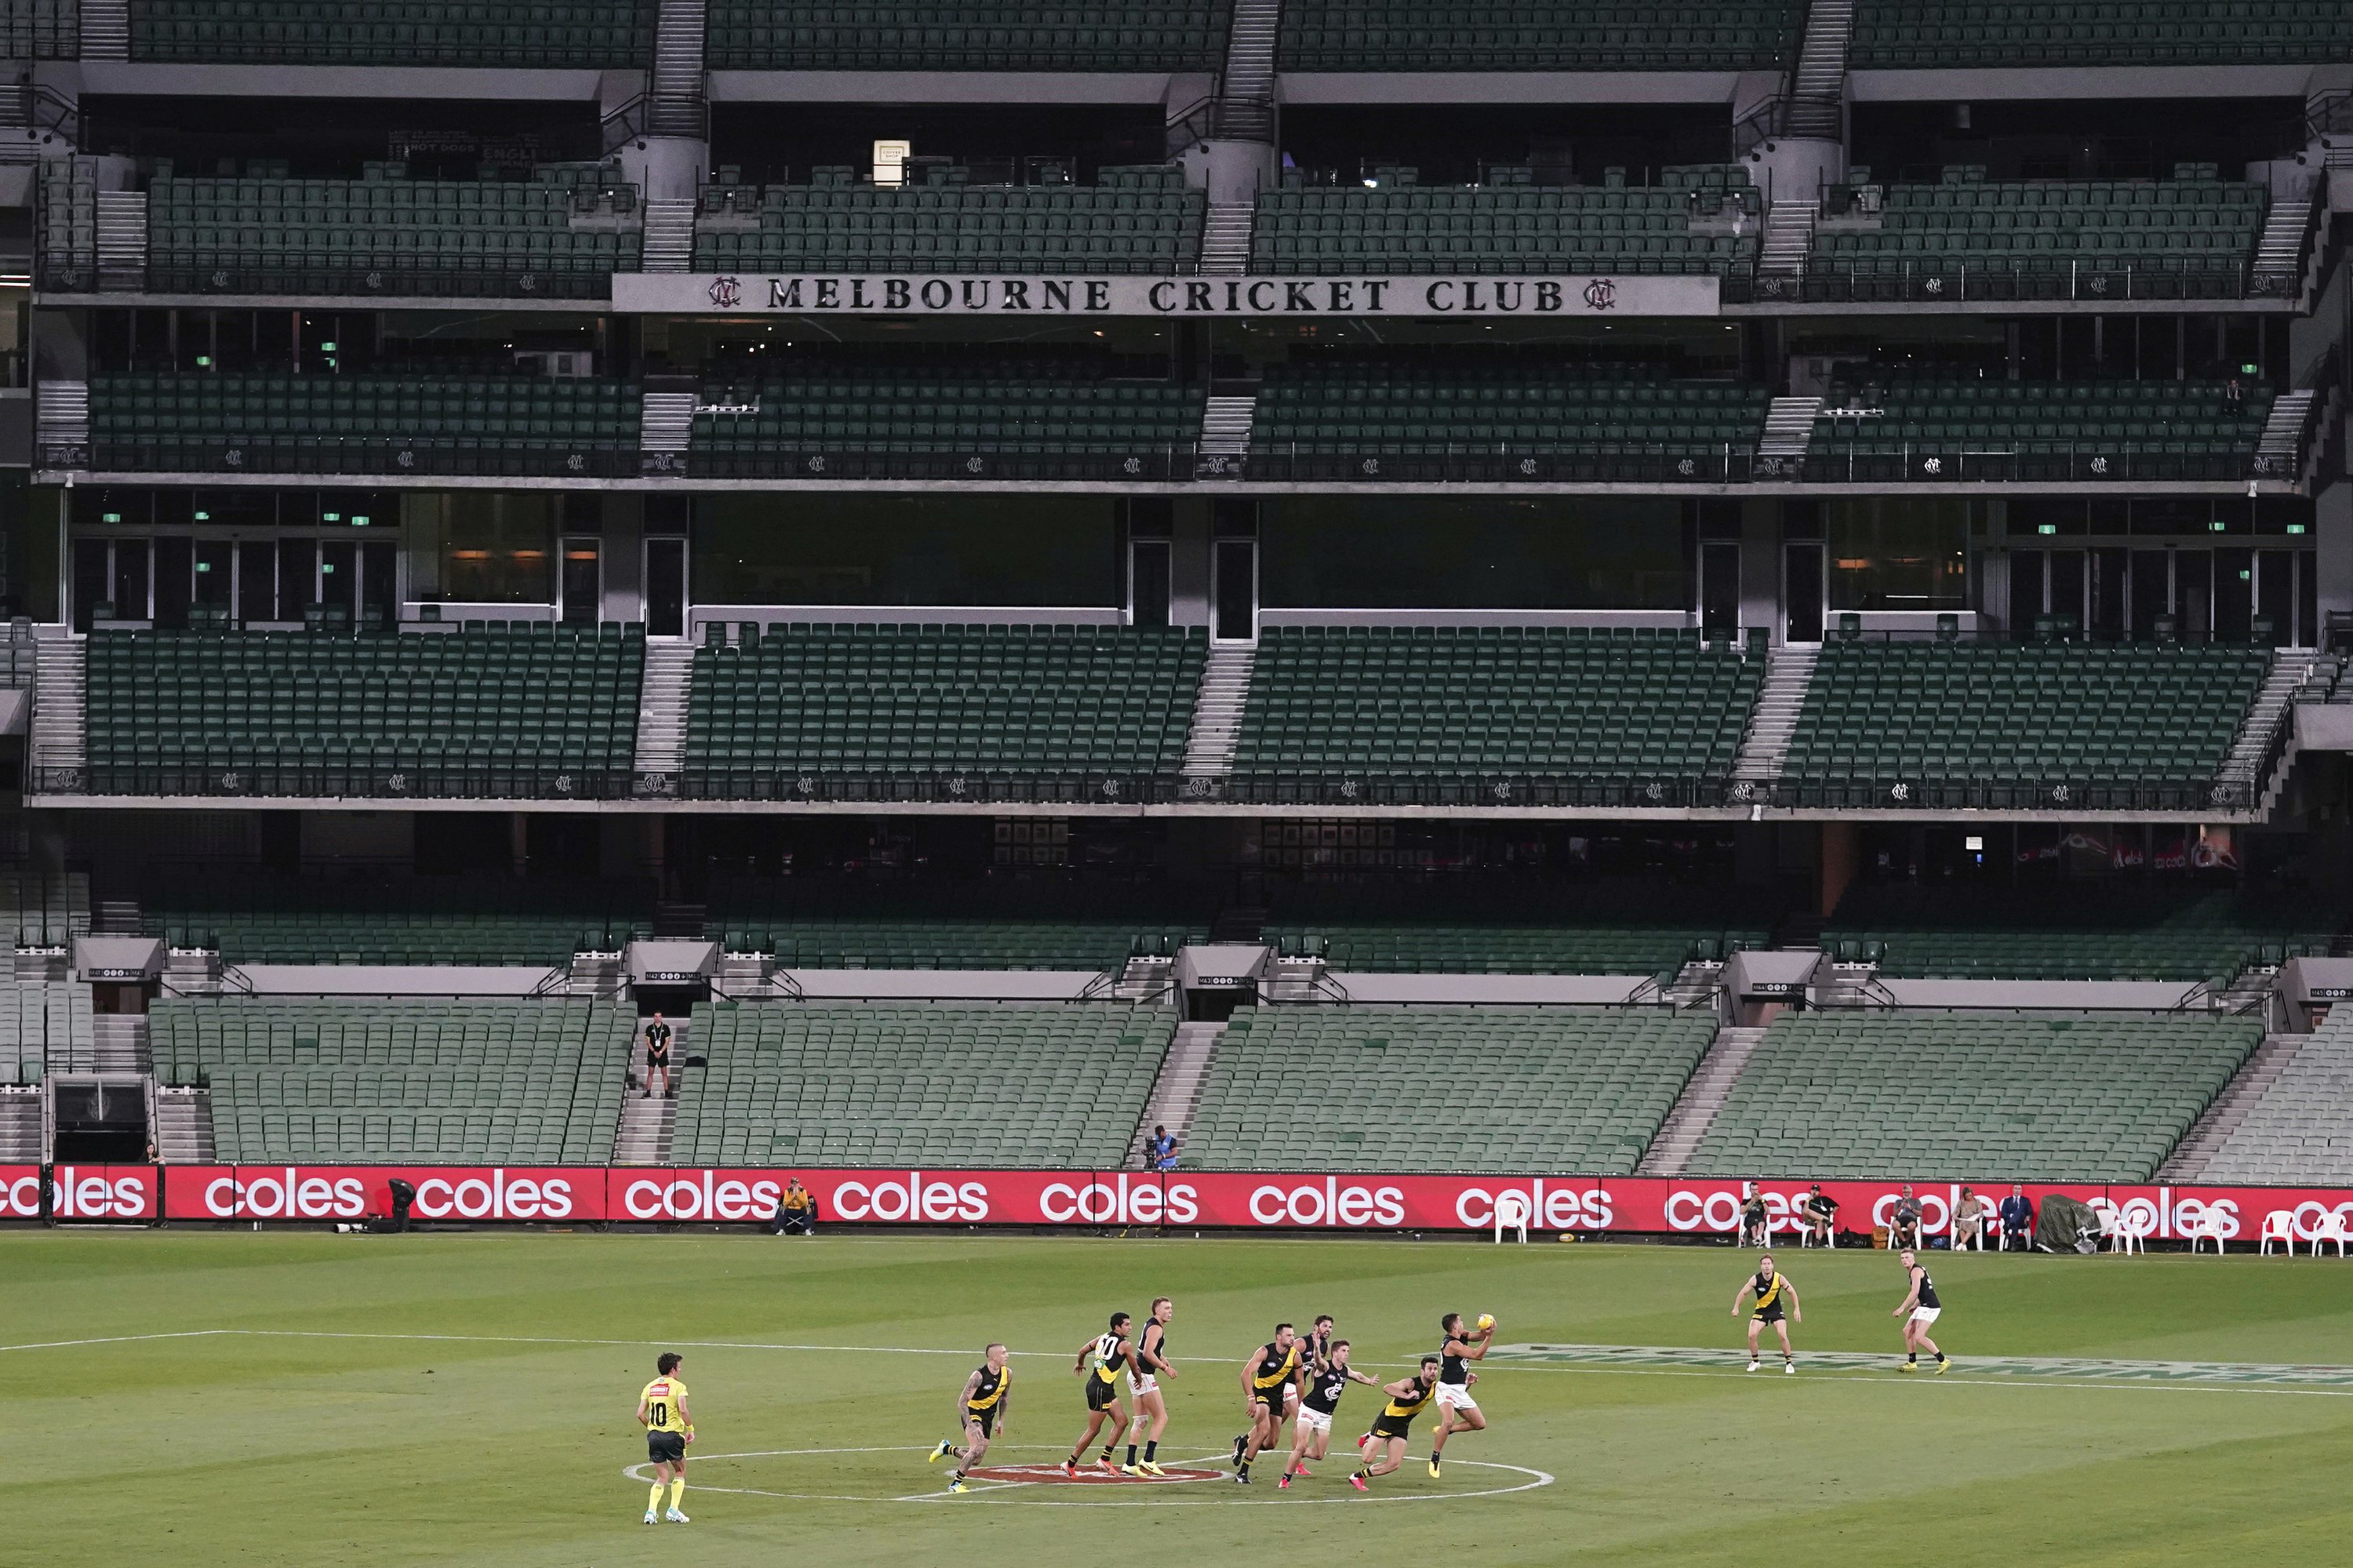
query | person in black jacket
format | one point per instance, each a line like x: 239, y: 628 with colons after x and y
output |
x: 2018, y: 1219
x: 658, y: 1057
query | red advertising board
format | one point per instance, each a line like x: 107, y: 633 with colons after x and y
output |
x: 1220, y: 1200
x: 79, y: 1193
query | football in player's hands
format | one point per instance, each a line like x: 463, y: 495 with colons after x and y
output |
x: 1486, y: 1321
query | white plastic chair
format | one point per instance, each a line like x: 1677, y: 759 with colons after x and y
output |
x: 2208, y: 1229
x: 2279, y: 1225
x: 2127, y: 1232
x: 2331, y: 1228
x: 1510, y: 1213
x: 1806, y: 1233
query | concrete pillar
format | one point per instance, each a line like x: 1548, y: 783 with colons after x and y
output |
x: 1841, y: 854
x: 1233, y: 173
x: 624, y: 556
x: 2332, y: 528
x: 665, y: 168
x: 1760, y: 564
x: 1188, y: 563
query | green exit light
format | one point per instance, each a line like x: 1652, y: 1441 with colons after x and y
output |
x: 110, y: 517
x: 204, y: 565
x: 2216, y: 527
x: 330, y: 516
x: 2295, y: 527
x: 203, y: 361
x: 326, y: 565
x: 359, y: 520
x: 2046, y: 528
x: 2246, y: 576
x: 204, y: 517
x: 326, y: 348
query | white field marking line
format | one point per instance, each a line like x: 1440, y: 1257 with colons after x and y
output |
x: 1536, y: 1479
x: 1867, y: 1375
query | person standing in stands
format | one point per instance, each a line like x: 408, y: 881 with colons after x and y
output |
x: 2017, y: 1217
x: 658, y: 1056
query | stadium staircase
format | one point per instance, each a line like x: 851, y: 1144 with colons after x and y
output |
x: 1250, y: 53
x: 1226, y: 425
x: 661, y: 712
x: 1216, y: 728
x: 1789, y: 239
x: 678, y: 108
x: 2205, y: 1139
x: 183, y: 1127
x: 644, y: 1133
x: 666, y: 426
x: 105, y: 30
x: 20, y: 1125
x: 1772, y: 723
x: 668, y: 244
x: 60, y: 744
x: 1817, y: 86
x: 2242, y: 767
x: 1695, y: 1109
x: 1226, y: 238
x: 1176, y: 1093
x: 122, y: 240
x: 119, y: 1044
x: 1788, y: 435
x: 62, y: 423
x: 2279, y: 449
x: 2276, y: 252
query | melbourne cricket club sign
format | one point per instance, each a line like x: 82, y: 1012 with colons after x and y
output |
x: 952, y: 294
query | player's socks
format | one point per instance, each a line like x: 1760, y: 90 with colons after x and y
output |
x: 653, y: 1502
x: 677, y: 1490
x: 1152, y: 1450
x: 1131, y: 1456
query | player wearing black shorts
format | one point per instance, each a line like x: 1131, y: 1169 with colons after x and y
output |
x: 980, y: 1412
x: 1311, y: 1431
x: 670, y: 1427
x: 1109, y: 1354
x: 1408, y: 1398
x: 1773, y: 1291
x: 1271, y: 1377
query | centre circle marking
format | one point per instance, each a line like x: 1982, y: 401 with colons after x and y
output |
x: 1021, y: 1483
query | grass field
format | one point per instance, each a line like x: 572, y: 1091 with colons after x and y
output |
x: 468, y: 1399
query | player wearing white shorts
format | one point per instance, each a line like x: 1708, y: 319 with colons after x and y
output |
x: 1457, y: 1410
x: 1920, y: 1308
x: 1311, y: 1431
x: 1144, y: 1370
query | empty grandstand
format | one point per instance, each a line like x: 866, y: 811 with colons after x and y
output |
x: 1458, y: 925
x: 1042, y: 925
x: 2297, y: 1130
x: 378, y: 920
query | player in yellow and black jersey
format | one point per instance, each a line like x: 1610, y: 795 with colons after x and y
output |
x: 1777, y: 1303
x: 1271, y: 1377
x: 981, y: 1407
x: 1407, y: 1397
x: 670, y: 1427
x: 1101, y: 1361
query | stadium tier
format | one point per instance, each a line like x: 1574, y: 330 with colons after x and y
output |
x: 1898, y: 426
x: 541, y: 711
x: 1141, y: 218
x: 1499, y: 1089
x: 1471, y: 924
x: 810, y: 710
x: 1503, y: 228
x: 1055, y: 1086
x: 41, y: 30
x: 45, y: 1026
x: 43, y: 909
x: 1398, y: 715
x: 1553, y: 34
x: 1994, y: 1095
x: 1084, y: 927
x: 1323, y: 417
x: 1949, y: 35
x: 2192, y: 239
x: 967, y: 35
x: 201, y: 422
x: 2299, y: 1129
x: 559, y: 235
x: 1045, y: 418
x: 346, y: 1080
x: 1994, y: 724
x: 2078, y: 931
x: 600, y: 34
x: 422, y: 920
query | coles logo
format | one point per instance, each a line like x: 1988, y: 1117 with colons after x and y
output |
x: 911, y: 1198
x: 295, y: 1193
x: 1328, y: 1202
x: 1548, y: 1207
x: 1119, y: 1202
x: 80, y: 1194
x: 700, y: 1195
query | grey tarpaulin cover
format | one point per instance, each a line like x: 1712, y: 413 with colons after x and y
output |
x: 2062, y: 1221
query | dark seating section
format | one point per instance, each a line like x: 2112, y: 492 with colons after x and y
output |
x: 1508, y: 226
x: 253, y: 919
x: 537, y: 711
x: 967, y: 35
x: 2019, y: 725
x: 2128, y: 930
x: 1552, y: 35
x: 41, y: 30
x: 1327, y: 413
x: 947, y: 415
x: 575, y: 34
x: 1140, y: 218
x: 1463, y: 923
x: 382, y: 422
x: 1893, y: 423
x: 949, y: 712
x: 1950, y: 35
x: 1059, y: 924
x: 560, y: 234
x: 1503, y: 715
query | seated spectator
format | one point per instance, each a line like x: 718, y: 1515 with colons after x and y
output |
x: 1818, y: 1214
x: 1753, y: 1215
x: 2017, y: 1219
x: 1903, y: 1222
x: 1160, y: 1150
x: 1969, y: 1215
x: 796, y: 1212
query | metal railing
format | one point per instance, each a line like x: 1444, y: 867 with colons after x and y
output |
x: 369, y: 780
x: 388, y: 456
x: 974, y: 787
x: 546, y: 279
x: 1835, y: 461
x: 1503, y: 463
x: 1931, y: 280
x: 980, y: 459
x: 1929, y: 792
x: 1373, y: 788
